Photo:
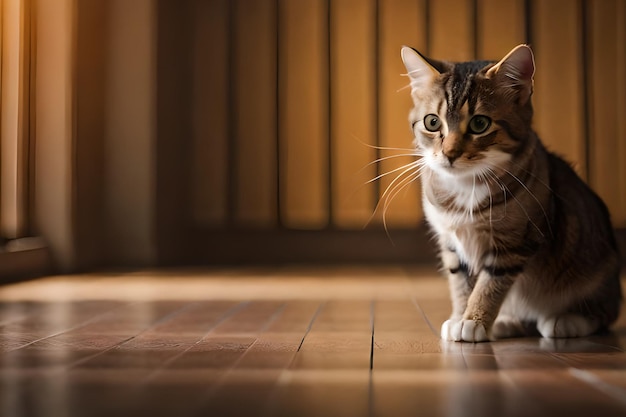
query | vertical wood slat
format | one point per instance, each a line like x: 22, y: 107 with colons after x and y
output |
x: 303, y: 111
x: 15, y: 70
x: 255, y: 112
x: 174, y: 120
x: 452, y: 30
x: 606, y: 85
x: 402, y: 22
x: 92, y: 64
x: 500, y: 27
x: 211, y: 109
x: 353, y: 95
x: 129, y: 129
x: 53, y: 107
x: 558, y: 98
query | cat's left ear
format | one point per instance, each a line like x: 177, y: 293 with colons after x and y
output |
x: 418, y: 69
x: 515, y: 71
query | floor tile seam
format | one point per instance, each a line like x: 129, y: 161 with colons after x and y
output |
x: 152, y: 325
x: 223, y: 318
x: 75, y: 327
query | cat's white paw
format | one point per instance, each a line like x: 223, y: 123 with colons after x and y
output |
x: 567, y: 325
x: 463, y: 331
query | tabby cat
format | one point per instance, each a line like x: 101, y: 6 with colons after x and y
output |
x: 526, y: 244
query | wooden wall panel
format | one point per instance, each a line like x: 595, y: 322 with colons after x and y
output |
x: 129, y: 133
x: 289, y: 142
x: 452, y: 30
x: 54, y: 113
x: 607, y: 113
x: 402, y: 22
x: 175, y: 117
x: 303, y: 112
x: 14, y: 116
x: 558, y: 97
x: 264, y: 113
x: 254, y: 112
x: 353, y: 110
x: 92, y: 63
x: 500, y: 26
x: 211, y: 113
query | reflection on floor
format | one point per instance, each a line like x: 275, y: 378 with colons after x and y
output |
x: 287, y: 342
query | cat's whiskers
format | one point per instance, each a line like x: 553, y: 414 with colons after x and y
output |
x: 490, y: 177
x: 399, y: 181
x: 474, y: 199
x: 519, y: 203
x: 484, y: 179
x: 406, y: 87
x: 540, y: 181
x: 410, y: 173
x: 392, y: 192
x: 406, y: 151
x: 493, y: 177
x: 412, y: 72
x: 386, y: 148
x: 388, y: 157
x: 545, y: 214
x: 384, y: 174
x: 534, y: 176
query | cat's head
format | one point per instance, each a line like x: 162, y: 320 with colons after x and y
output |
x: 471, y: 116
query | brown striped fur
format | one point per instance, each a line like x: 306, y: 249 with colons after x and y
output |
x: 524, y: 241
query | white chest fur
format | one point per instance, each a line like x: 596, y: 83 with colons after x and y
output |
x: 457, y: 228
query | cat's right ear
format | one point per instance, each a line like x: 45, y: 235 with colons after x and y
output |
x: 515, y: 72
x: 418, y: 69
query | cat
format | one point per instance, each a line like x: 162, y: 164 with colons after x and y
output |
x: 527, y: 246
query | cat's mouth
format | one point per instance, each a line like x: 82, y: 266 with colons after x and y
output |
x: 452, y: 165
x: 457, y: 168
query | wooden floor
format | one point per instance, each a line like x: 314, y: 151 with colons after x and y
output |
x: 284, y: 342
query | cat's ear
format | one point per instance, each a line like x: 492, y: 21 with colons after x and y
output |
x: 418, y: 69
x: 515, y: 71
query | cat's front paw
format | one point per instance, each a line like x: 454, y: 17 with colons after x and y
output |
x: 463, y: 331
x: 567, y: 325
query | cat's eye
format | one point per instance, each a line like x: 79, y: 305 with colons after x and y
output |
x: 479, y: 124
x: 432, y: 122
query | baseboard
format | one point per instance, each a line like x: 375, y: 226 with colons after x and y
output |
x: 24, y: 258
x: 228, y: 247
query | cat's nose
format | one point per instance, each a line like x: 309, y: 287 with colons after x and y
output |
x: 452, y: 147
x: 452, y: 155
